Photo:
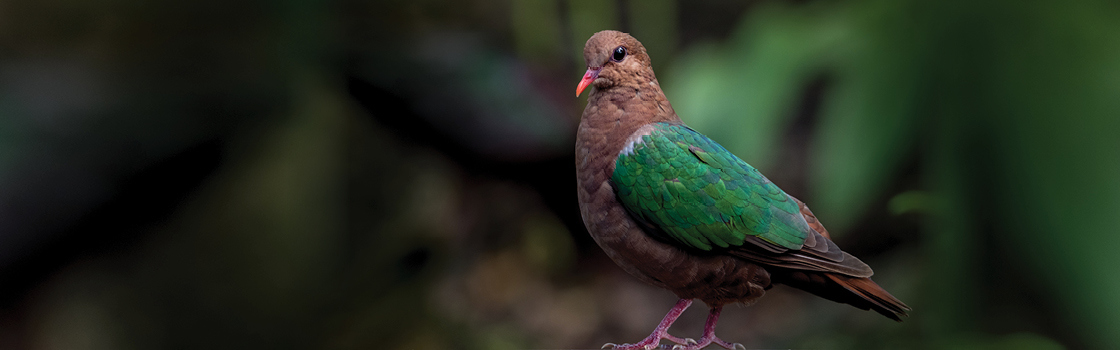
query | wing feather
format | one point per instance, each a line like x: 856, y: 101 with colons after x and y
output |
x: 690, y: 191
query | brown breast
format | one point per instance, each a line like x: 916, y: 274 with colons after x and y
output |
x: 607, y: 122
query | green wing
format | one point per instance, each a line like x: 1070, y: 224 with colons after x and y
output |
x: 702, y: 196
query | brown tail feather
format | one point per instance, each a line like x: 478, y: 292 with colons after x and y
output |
x: 859, y: 292
x: 881, y: 300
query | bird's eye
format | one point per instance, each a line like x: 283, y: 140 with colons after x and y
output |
x: 619, y: 54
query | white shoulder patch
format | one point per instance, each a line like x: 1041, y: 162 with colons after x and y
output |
x: 636, y: 138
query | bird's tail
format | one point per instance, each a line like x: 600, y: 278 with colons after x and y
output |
x: 859, y: 292
x: 878, y: 298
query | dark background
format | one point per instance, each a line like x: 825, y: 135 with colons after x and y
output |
x: 349, y: 174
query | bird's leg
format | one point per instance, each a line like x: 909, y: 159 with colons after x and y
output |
x: 661, y: 332
x: 710, y: 334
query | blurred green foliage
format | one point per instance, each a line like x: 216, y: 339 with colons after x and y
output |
x: 397, y: 174
x: 1006, y: 104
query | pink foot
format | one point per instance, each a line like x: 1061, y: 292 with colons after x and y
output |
x: 710, y: 335
x: 653, y: 341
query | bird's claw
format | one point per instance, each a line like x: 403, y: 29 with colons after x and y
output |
x: 738, y: 346
x: 690, y: 341
x: 628, y: 346
x: 678, y: 347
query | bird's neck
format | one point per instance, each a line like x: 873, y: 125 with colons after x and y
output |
x: 640, y: 101
x: 615, y: 112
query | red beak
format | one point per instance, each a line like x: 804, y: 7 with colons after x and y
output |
x: 588, y: 78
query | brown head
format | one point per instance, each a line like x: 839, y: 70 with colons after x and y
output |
x: 615, y: 58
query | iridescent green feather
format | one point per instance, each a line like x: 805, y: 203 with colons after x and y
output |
x: 701, y: 195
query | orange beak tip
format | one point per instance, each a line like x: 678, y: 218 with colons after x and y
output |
x: 588, y: 78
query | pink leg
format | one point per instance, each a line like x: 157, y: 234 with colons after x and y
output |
x: 710, y: 334
x: 661, y: 332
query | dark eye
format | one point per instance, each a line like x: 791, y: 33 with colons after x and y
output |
x: 619, y: 54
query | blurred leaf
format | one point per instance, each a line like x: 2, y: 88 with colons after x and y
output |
x: 910, y: 202
x: 868, y: 121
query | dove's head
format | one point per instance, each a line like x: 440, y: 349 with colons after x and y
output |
x: 615, y: 58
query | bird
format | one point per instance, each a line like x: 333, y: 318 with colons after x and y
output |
x: 677, y: 210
